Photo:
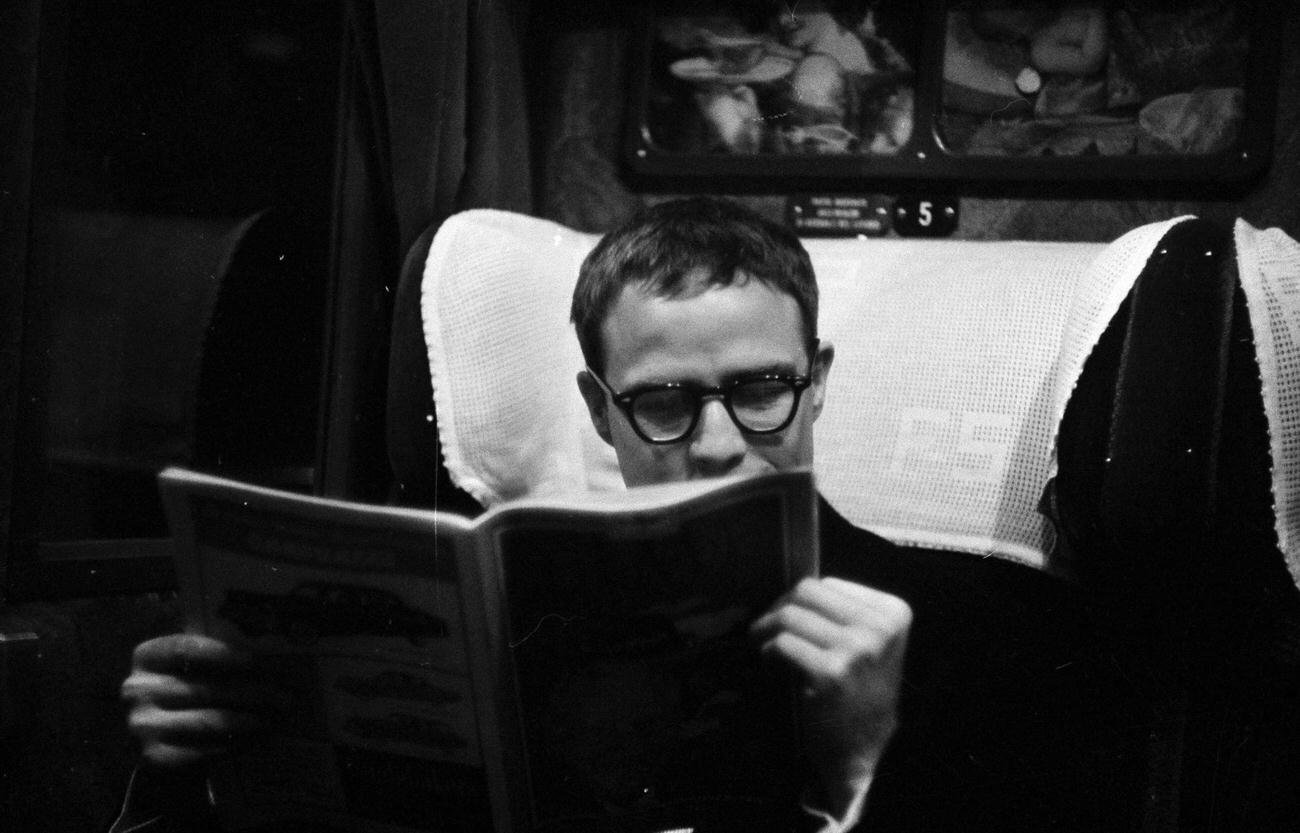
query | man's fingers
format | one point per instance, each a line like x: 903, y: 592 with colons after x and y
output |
x: 836, y: 664
x: 190, y: 653
x: 815, y: 627
x: 848, y: 603
x: 835, y: 602
x: 204, y: 728
x: 810, y: 594
x: 797, y: 652
x: 792, y: 618
x: 179, y: 693
x: 867, y: 595
x: 838, y: 635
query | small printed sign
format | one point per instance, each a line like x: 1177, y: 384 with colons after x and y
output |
x: 925, y: 216
x: 837, y: 215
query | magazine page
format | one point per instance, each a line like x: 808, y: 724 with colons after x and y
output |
x: 643, y: 701
x: 371, y: 619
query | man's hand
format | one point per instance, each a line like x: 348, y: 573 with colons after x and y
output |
x: 193, y: 698
x: 847, y: 643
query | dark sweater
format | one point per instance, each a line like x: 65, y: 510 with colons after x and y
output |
x: 1014, y: 714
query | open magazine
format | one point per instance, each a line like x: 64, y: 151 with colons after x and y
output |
x: 551, y: 665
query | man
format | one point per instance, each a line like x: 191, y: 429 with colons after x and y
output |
x: 992, y: 710
x: 698, y: 324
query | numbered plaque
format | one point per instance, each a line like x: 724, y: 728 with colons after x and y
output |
x: 925, y: 216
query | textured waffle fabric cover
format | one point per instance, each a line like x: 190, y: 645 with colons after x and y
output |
x: 954, y: 361
x: 1268, y: 262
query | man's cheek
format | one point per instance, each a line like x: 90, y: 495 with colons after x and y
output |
x: 644, y: 464
x: 668, y: 463
x: 790, y: 447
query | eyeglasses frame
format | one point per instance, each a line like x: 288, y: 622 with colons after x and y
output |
x: 798, y: 383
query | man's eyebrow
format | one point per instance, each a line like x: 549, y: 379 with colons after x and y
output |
x: 777, y: 368
x: 773, y: 369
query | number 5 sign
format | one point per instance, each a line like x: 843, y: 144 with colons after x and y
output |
x: 925, y: 216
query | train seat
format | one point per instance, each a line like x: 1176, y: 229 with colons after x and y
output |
x: 1121, y: 413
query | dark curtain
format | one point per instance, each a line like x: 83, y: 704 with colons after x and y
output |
x: 433, y: 120
x: 19, y: 29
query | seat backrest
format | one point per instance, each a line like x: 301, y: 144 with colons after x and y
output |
x: 968, y: 376
x: 259, y: 383
x: 953, y: 362
x: 411, y: 429
x: 1165, y: 496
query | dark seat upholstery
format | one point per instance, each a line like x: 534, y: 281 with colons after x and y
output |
x: 1163, y: 503
x: 260, y: 377
x: 419, y: 477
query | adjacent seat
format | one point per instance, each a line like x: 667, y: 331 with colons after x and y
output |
x: 1166, y: 505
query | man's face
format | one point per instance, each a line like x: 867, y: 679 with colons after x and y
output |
x: 706, y: 337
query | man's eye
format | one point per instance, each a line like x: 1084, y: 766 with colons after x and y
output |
x: 662, y: 405
x: 759, y: 395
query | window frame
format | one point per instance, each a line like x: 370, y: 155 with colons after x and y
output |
x: 33, y: 567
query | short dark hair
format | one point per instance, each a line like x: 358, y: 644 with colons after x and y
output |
x: 662, y: 245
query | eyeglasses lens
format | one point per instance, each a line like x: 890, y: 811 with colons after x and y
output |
x: 760, y: 405
x: 664, y: 414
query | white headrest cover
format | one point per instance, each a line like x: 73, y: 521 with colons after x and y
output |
x: 954, y: 360
x: 503, y: 357
x: 1268, y: 263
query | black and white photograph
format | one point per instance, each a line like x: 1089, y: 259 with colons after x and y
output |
x: 650, y: 416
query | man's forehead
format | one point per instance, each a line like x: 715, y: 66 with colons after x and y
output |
x: 699, y: 296
x: 720, y: 331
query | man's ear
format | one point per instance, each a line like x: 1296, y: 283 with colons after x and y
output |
x: 597, y: 406
x: 821, y: 369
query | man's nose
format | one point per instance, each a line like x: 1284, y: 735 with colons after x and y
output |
x: 717, y: 445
